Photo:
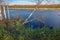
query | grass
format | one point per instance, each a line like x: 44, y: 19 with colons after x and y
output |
x: 17, y: 31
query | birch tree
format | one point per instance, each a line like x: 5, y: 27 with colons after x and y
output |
x: 3, y: 5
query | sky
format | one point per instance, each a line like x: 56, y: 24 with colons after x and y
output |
x: 22, y: 2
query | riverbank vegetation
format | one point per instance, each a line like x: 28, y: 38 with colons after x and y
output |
x: 17, y: 31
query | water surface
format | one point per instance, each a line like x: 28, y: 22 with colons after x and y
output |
x: 49, y: 17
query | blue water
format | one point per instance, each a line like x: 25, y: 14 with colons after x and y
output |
x: 50, y: 17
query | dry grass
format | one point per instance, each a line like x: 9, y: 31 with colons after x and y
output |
x: 33, y: 6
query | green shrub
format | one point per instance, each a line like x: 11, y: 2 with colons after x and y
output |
x: 21, y: 32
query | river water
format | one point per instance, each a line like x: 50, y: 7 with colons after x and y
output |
x: 49, y: 17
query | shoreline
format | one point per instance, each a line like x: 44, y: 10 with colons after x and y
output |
x: 40, y: 7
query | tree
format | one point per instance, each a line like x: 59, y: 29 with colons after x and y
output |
x: 7, y: 3
x: 0, y: 2
x: 3, y: 7
x: 39, y: 1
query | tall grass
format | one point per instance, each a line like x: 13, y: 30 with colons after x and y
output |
x: 17, y: 31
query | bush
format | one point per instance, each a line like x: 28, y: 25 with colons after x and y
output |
x: 18, y: 31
